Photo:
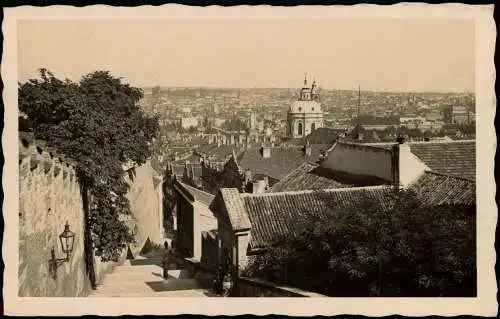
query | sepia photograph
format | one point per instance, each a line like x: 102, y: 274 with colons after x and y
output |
x: 195, y: 155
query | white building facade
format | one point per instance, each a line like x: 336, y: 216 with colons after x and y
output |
x: 305, y: 115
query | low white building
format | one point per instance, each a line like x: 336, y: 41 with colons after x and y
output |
x: 187, y: 122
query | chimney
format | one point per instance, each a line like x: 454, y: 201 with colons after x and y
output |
x: 260, y: 186
x: 266, y: 151
x: 248, y: 179
x: 404, y: 167
x: 186, y: 169
x: 307, y: 149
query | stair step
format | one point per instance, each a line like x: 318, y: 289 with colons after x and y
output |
x: 178, y: 293
x: 142, y: 277
x: 170, y: 285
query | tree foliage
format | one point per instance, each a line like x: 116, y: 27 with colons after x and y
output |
x: 371, y: 250
x: 97, y: 123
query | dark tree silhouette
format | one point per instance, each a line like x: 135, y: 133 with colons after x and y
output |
x: 369, y: 250
x: 97, y: 123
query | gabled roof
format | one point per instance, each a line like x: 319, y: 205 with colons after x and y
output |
x: 274, y: 214
x: 307, y: 176
x: 441, y: 189
x: 197, y: 194
x: 457, y: 158
x: 228, y: 205
x: 281, y: 161
x: 219, y: 152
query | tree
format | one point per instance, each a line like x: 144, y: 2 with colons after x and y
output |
x: 97, y: 123
x: 368, y: 249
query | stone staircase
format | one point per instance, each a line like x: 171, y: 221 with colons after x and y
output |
x: 143, y: 277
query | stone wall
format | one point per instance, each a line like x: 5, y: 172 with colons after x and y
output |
x: 49, y: 195
x: 146, y: 203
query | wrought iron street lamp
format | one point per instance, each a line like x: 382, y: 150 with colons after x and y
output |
x: 67, y: 239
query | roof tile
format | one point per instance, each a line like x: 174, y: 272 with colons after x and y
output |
x: 441, y: 189
x: 272, y: 214
x: 281, y: 161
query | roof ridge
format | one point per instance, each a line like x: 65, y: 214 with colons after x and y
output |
x: 365, y: 145
x: 189, y: 187
x: 443, y: 142
x: 308, y: 191
x: 297, y: 168
x: 449, y: 175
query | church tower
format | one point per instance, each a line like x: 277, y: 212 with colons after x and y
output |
x: 305, y: 115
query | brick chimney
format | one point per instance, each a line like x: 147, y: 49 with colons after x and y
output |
x: 260, y: 186
x: 406, y: 167
x: 266, y: 151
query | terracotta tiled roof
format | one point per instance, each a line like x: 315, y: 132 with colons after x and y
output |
x: 455, y: 158
x: 322, y: 135
x: 234, y: 208
x: 273, y: 214
x: 223, y: 151
x: 441, y: 189
x: 219, y: 152
x: 205, y: 149
x: 307, y: 176
x: 193, y: 158
x: 178, y: 169
x: 281, y: 161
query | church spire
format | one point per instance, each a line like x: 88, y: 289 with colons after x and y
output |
x: 305, y: 79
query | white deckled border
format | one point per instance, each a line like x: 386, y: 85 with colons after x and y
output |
x: 484, y: 305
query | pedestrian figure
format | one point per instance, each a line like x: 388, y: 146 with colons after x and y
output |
x: 227, y: 284
x: 166, y: 260
x: 219, y: 277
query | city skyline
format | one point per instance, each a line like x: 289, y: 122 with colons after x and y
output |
x: 431, y: 55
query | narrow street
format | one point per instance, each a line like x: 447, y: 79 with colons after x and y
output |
x: 142, y: 277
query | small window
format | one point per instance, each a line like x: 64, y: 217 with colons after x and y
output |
x: 313, y: 108
x: 300, y: 109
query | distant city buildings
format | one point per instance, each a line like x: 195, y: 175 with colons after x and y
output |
x: 458, y: 114
x: 188, y: 122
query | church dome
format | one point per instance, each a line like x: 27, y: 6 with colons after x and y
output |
x: 308, y: 107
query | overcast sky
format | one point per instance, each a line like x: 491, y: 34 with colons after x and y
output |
x: 381, y: 55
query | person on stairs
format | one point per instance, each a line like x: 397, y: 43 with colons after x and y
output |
x: 166, y: 260
x: 219, y: 277
x: 227, y: 285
